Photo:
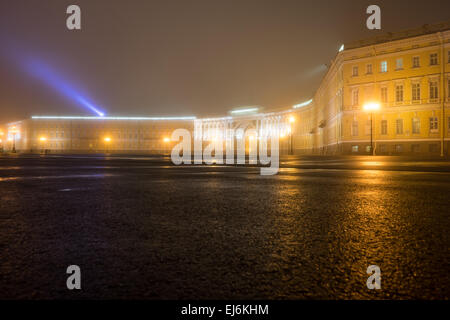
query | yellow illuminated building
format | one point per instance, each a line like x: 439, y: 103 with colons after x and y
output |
x: 407, y: 74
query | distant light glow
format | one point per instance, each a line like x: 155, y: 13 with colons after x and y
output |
x: 341, y: 48
x: 244, y: 110
x: 107, y: 139
x: 166, y: 139
x: 43, y: 139
x: 303, y: 104
x: 291, y: 119
x: 111, y: 118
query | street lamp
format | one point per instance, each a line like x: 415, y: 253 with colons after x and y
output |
x: 107, y: 141
x: 371, y: 107
x: 14, y: 131
x: 43, y: 140
x: 291, y: 137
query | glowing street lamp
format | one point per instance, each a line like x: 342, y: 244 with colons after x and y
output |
x: 107, y: 141
x: 371, y: 107
x: 291, y: 140
x: 43, y: 140
x: 14, y: 131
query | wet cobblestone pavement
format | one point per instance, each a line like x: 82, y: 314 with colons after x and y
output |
x: 140, y: 227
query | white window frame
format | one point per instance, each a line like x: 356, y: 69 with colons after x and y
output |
x: 355, y: 97
x: 415, y: 91
x: 384, y: 94
x: 399, y: 93
x: 415, y: 125
x: 399, y: 126
x: 434, y: 59
x: 434, y: 124
x: 433, y: 89
x: 414, y: 60
x: 383, y: 66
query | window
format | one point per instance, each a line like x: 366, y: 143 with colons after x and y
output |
x: 416, y: 91
x: 399, y: 93
x: 398, y: 148
x: 355, y: 71
x: 382, y: 148
x: 369, y: 67
x: 433, y: 90
x: 416, y: 62
x: 384, y: 94
x: 383, y: 126
x: 415, y: 148
x: 383, y: 66
x: 433, y: 124
x: 355, y: 97
x: 448, y: 56
x: 433, y: 148
x: 355, y: 128
x: 399, y: 64
x: 355, y: 148
x: 433, y: 59
x: 415, y: 125
x: 399, y: 126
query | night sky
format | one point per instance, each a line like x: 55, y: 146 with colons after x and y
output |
x: 186, y: 57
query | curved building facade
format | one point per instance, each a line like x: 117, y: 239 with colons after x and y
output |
x: 407, y: 75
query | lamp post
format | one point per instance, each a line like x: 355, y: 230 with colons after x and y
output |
x: 291, y: 137
x: 14, y: 131
x: 43, y: 140
x: 1, y: 141
x: 107, y: 141
x: 371, y: 107
x: 166, y: 141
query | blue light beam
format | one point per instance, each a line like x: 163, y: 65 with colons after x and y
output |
x: 52, y: 79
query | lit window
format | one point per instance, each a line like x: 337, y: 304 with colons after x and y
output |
x: 369, y: 68
x: 355, y: 71
x: 399, y: 64
x: 434, y: 124
x: 433, y: 59
x: 433, y: 90
x: 383, y: 126
x: 398, y: 148
x: 383, y: 66
x: 355, y: 148
x: 416, y: 125
x: 399, y: 126
x: 416, y: 91
x: 399, y: 93
x: 384, y: 94
x: 416, y: 62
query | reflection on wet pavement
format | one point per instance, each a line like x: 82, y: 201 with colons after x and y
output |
x: 147, y: 229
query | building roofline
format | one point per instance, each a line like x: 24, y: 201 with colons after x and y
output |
x: 400, y: 35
